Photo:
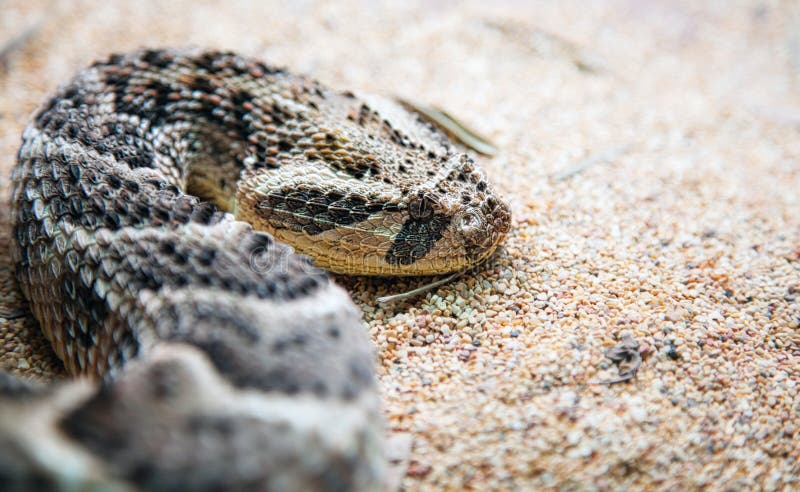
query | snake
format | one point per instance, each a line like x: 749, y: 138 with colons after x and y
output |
x: 175, y: 214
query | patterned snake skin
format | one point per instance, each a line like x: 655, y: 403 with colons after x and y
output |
x: 146, y: 198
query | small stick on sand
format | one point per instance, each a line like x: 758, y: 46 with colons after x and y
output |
x: 601, y: 158
x: 420, y: 290
x: 15, y: 44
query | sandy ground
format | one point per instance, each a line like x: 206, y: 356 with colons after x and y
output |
x: 650, y: 152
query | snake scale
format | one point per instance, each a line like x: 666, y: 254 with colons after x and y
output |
x: 154, y: 198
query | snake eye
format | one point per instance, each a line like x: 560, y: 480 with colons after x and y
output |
x: 420, y: 208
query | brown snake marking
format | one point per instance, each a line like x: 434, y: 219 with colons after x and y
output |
x: 134, y: 191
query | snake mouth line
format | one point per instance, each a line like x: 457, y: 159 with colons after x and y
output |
x: 417, y: 248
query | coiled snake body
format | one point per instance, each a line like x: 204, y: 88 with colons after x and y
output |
x: 146, y: 198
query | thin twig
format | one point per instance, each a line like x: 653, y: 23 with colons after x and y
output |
x: 15, y: 44
x: 454, y: 127
x: 600, y: 158
x: 420, y: 290
x: 547, y: 44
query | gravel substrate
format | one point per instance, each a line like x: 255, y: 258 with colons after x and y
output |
x: 651, y: 156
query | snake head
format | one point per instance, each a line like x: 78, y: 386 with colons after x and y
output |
x: 455, y: 220
x: 446, y: 222
x: 377, y: 191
